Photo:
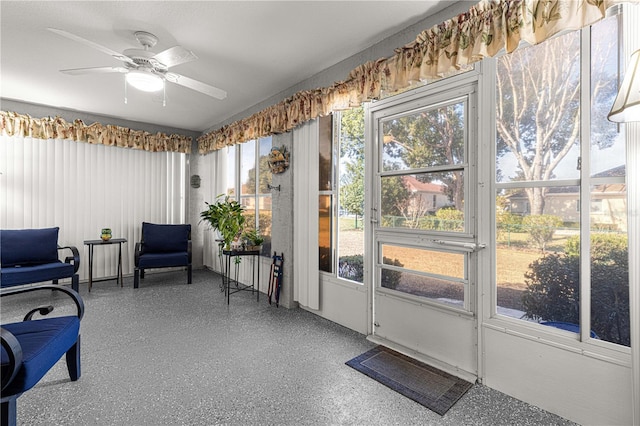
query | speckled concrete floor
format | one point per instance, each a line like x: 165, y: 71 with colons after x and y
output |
x: 175, y: 354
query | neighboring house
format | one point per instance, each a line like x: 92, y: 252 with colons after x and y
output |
x: 608, y: 203
x: 429, y: 197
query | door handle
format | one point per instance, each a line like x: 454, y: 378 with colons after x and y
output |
x: 468, y: 246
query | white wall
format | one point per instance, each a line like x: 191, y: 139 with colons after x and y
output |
x: 588, y: 388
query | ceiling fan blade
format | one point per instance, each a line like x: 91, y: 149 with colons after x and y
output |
x: 95, y: 70
x: 196, y: 85
x: 173, y: 56
x: 103, y: 49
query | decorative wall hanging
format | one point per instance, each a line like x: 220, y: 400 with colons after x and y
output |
x: 278, y: 159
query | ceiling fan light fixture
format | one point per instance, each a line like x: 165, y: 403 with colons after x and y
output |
x: 145, y: 81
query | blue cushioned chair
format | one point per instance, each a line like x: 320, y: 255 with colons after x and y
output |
x: 31, y: 256
x: 31, y: 347
x: 162, y: 246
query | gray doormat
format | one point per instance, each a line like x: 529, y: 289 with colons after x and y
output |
x: 426, y: 385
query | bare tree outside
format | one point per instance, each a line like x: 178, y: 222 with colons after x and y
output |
x: 538, y: 109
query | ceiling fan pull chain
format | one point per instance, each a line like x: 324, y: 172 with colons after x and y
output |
x: 125, y: 90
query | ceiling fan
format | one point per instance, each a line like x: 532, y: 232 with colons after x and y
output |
x: 144, y: 69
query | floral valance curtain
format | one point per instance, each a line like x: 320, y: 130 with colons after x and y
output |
x: 483, y: 31
x: 14, y: 124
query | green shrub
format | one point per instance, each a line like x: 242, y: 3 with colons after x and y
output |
x: 605, y: 227
x: 450, y: 219
x: 553, y: 287
x: 507, y: 223
x: 352, y: 268
x: 602, y: 246
x: 391, y: 279
x: 541, y: 228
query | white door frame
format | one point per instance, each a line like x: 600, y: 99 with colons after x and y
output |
x: 426, y: 310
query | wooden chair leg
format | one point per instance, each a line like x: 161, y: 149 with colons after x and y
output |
x: 9, y: 412
x: 75, y: 282
x: 73, y: 361
x: 189, y: 274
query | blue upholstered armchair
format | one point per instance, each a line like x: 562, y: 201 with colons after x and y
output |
x: 32, y: 346
x: 31, y: 256
x: 162, y: 246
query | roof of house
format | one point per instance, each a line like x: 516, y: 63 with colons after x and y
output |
x: 414, y: 185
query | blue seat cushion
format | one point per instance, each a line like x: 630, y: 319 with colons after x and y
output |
x: 17, y: 275
x: 164, y: 238
x: 43, y: 343
x: 163, y: 260
x: 28, y: 246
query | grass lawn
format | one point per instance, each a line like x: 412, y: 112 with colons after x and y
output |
x: 348, y: 223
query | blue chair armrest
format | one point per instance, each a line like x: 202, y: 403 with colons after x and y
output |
x: 68, y: 291
x: 14, y: 356
x: 75, y: 258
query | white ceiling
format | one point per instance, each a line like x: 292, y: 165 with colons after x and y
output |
x: 253, y: 50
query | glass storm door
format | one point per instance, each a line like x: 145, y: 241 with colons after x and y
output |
x: 423, y: 226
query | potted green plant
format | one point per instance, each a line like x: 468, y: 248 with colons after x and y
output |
x: 226, y: 216
x: 253, y: 240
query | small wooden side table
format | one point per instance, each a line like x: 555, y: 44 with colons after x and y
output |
x: 92, y: 244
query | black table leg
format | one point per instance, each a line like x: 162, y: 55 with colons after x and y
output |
x: 90, y: 267
x: 120, y: 264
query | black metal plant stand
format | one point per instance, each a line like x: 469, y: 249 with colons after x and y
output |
x: 233, y: 285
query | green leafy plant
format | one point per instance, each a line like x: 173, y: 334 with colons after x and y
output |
x: 253, y: 237
x: 225, y: 216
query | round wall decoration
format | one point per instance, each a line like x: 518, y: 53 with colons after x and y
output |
x: 278, y: 159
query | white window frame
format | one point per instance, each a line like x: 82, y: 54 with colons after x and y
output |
x: 487, y: 226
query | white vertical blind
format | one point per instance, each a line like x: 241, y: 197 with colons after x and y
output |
x: 83, y: 188
x: 305, y: 215
x: 214, y: 183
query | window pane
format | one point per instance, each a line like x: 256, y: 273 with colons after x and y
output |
x: 440, y: 290
x: 264, y: 222
x: 326, y: 154
x: 607, y: 138
x: 231, y: 170
x: 263, y: 163
x: 248, y: 167
x: 423, y: 260
x: 536, y: 277
x: 431, y: 137
x: 610, y: 318
x: 431, y: 267
x: 249, y: 204
x: 324, y: 233
x: 430, y: 201
x: 537, y: 112
x: 351, y: 195
x: 539, y: 261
